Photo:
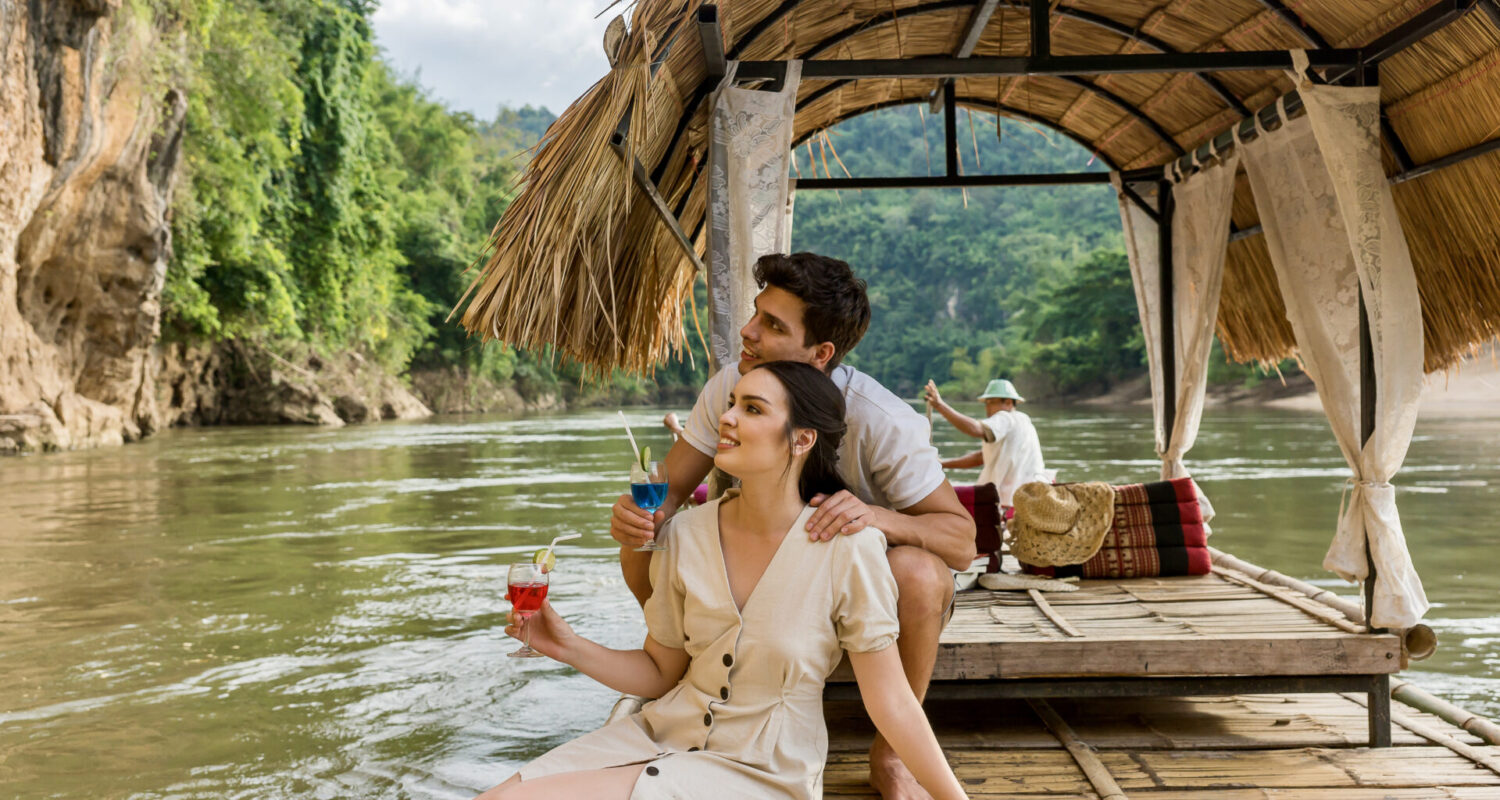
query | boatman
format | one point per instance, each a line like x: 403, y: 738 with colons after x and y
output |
x: 1009, y: 453
x: 812, y: 309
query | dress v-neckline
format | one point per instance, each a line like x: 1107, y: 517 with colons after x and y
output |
x: 724, y: 564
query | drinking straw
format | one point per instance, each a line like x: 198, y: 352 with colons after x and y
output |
x: 563, y: 538
x: 630, y: 435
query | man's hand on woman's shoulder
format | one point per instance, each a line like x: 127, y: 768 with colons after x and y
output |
x: 841, y: 513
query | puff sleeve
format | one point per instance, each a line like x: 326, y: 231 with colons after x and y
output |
x: 664, y: 608
x: 864, y: 593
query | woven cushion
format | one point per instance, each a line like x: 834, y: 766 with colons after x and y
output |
x: 1157, y: 530
x: 982, y: 501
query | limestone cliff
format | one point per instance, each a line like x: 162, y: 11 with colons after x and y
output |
x: 88, y: 161
x: 89, y: 151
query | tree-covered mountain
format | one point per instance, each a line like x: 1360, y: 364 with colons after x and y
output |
x: 330, y: 203
x: 967, y: 284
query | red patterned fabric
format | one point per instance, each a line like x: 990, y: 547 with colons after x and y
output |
x: 982, y: 502
x: 1157, y: 530
x: 1135, y: 562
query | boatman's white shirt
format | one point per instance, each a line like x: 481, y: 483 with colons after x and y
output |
x: 1012, y: 454
x: 886, y: 457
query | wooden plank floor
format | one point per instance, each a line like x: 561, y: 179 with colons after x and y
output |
x: 1190, y: 748
x: 1199, y: 625
x: 1205, y: 625
x: 1236, y: 748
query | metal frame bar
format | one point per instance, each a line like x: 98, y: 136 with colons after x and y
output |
x: 1119, y: 28
x: 1092, y: 88
x: 1135, y: 197
x: 1127, y: 107
x: 977, y: 102
x: 1118, y: 64
x: 1412, y: 31
x: 886, y: 18
x: 969, y: 40
x: 1492, y: 10
x: 1419, y: 27
x: 1129, y: 33
x: 1041, y: 28
x: 711, y: 36
x: 956, y: 181
x: 1449, y: 160
x: 638, y: 172
x: 761, y: 27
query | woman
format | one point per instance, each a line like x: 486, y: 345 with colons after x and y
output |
x: 745, y: 622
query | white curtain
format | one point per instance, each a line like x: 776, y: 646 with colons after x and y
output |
x: 748, y: 199
x: 1143, y: 247
x: 1331, y: 228
x: 1200, y: 234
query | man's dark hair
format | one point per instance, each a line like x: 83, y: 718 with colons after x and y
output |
x: 837, y: 309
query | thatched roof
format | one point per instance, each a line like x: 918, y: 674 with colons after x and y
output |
x: 581, y: 261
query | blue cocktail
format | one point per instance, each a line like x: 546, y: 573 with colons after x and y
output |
x: 648, y: 488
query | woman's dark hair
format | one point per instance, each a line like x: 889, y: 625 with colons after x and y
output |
x: 813, y: 402
x: 837, y: 309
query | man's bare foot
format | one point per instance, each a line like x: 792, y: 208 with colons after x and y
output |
x: 890, y: 777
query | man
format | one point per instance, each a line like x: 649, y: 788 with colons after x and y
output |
x: 1010, y: 454
x: 812, y: 309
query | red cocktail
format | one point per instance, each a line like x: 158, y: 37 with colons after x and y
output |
x: 527, y: 591
x: 527, y: 597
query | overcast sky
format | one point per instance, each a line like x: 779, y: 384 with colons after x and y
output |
x: 479, y: 54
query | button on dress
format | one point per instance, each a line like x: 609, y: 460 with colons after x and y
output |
x: 746, y: 720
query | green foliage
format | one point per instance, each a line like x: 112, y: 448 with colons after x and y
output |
x: 327, y: 202
x: 1085, y: 328
x: 953, y: 275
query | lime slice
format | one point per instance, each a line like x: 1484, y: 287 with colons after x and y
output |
x: 646, y: 457
x: 546, y: 559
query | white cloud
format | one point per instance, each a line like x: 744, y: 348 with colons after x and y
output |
x: 478, y: 54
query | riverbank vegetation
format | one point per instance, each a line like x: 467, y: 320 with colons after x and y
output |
x: 327, y: 202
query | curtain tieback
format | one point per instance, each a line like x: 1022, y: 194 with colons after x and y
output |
x: 1352, y: 483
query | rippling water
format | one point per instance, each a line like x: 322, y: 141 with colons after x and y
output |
x: 293, y: 612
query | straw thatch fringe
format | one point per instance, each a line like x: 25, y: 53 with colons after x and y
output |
x: 581, y: 262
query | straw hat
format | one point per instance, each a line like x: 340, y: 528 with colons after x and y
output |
x: 1061, y: 524
x: 1001, y: 389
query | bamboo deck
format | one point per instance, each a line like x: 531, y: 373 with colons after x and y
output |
x: 1212, y: 630
x: 1199, y: 748
x: 1221, y: 624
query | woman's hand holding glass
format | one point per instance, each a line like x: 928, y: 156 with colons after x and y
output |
x: 545, y: 631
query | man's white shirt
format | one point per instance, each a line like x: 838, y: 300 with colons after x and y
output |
x: 1012, y: 453
x: 886, y: 457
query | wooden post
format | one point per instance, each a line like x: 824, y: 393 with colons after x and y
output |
x: 1165, y: 207
x: 1380, y: 688
x: 950, y: 129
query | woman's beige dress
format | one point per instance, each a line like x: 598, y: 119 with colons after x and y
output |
x: 747, y: 718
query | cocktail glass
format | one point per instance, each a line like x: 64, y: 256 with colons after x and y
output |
x: 648, y: 487
x: 527, y: 589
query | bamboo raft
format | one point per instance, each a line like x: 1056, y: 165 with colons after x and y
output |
x: 1238, y: 684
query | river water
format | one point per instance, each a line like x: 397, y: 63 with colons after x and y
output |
x: 307, y: 613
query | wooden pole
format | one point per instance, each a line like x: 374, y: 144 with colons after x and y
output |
x: 1419, y: 641
x: 1431, y: 734
x: 1093, y: 769
x: 1452, y: 714
x: 1166, y: 205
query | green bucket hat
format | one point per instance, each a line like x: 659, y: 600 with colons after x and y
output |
x: 1001, y: 389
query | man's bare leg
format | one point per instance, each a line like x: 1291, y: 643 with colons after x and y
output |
x: 926, y: 587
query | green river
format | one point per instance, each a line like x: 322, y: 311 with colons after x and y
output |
x: 307, y: 613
